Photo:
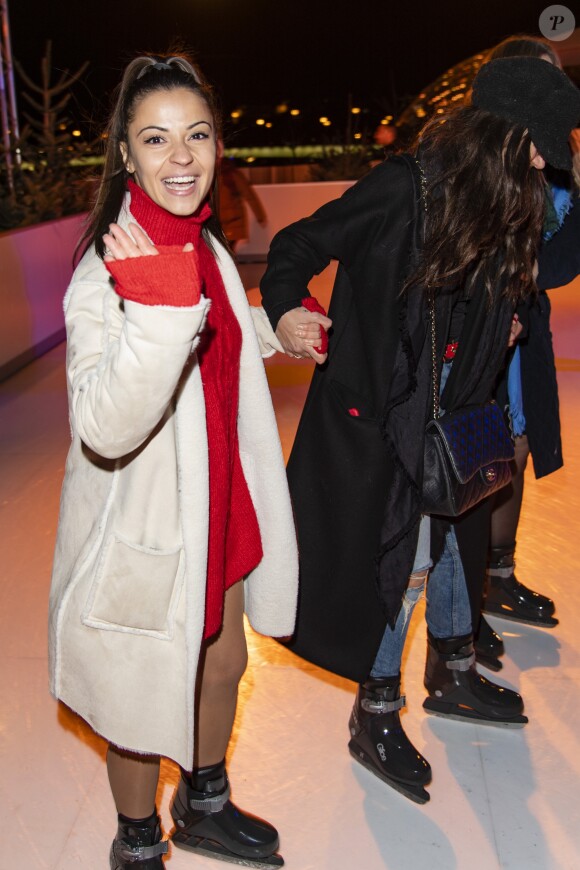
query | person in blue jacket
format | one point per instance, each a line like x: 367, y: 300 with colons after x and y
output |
x: 529, y: 390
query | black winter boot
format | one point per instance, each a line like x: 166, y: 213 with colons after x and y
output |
x: 379, y: 743
x: 208, y: 823
x: 457, y: 691
x: 488, y: 646
x: 138, y: 845
x: 505, y: 596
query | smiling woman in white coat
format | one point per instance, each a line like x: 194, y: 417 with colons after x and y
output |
x: 175, y: 515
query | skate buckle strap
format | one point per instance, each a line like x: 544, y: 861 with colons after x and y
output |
x: 504, y: 573
x: 462, y: 664
x: 133, y: 854
x: 370, y: 705
x: 211, y: 804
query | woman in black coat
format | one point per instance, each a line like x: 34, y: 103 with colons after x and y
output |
x: 356, y: 467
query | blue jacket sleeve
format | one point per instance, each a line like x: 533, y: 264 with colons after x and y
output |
x: 559, y: 258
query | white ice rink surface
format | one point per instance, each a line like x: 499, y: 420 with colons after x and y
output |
x: 499, y: 798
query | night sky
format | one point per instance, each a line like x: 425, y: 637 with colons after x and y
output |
x: 263, y: 52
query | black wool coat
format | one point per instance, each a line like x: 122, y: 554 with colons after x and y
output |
x: 341, y: 466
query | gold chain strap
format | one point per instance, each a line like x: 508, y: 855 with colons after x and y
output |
x: 434, y: 379
x: 423, y: 184
x: 431, y: 298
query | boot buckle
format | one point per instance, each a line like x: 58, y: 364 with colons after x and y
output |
x: 463, y: 664
x: 370, y: 705
x: 211, y: 804
x: 503, y: 573
x: 133, y: 854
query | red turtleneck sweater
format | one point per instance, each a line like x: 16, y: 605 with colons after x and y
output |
x: 175, y: 278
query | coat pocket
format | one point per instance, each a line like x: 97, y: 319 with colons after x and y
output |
x: 135, y: 589
x: 353, y: 403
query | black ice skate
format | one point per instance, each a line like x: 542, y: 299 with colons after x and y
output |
x: 488, y: 646
x: 506, y: 597
x: 379, y: 743
x: 138, y: 847
x: 208, y: 823
x: 457, y: 691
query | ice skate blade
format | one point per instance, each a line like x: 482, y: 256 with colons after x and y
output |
x: 548, y: 622
x: 461, y: 715
x: 213, y: 850
x: 417, y: 794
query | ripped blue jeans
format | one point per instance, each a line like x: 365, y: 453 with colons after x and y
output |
x: 448, y: 611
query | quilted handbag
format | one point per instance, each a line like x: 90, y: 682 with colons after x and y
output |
x: 467, y: 452
x: 467, y: 457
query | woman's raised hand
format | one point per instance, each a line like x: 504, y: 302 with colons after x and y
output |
x: 121, y: 245
x: 299, y: 331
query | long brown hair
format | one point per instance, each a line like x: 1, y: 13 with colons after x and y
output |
x: 485, y: 204
x: 145, y: 74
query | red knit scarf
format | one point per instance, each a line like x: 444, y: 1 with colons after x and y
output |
x: 235, y: 546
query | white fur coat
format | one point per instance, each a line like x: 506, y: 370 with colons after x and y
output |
x: 128, y: 590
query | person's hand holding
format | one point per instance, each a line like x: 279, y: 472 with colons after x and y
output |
x: 299, y: 333
x: 516, y: 330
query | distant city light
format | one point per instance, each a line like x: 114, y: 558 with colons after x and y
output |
x: 294, y: 112
x: 356, y: 110
x: 260, y: 122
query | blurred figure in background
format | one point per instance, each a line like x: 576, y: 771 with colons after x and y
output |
x: 385, y: 136
x: 235, y: 191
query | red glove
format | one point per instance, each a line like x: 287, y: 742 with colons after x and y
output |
x: 312, y: 304
x: 170, y: 278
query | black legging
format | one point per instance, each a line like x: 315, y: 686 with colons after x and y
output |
x: 507, y: 502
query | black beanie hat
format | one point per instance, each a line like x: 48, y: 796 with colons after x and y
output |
x: 535, y: 94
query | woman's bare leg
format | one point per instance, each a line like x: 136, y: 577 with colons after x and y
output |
x: 133, y: 779
x: 222, y: 664
x: 202, y: 810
